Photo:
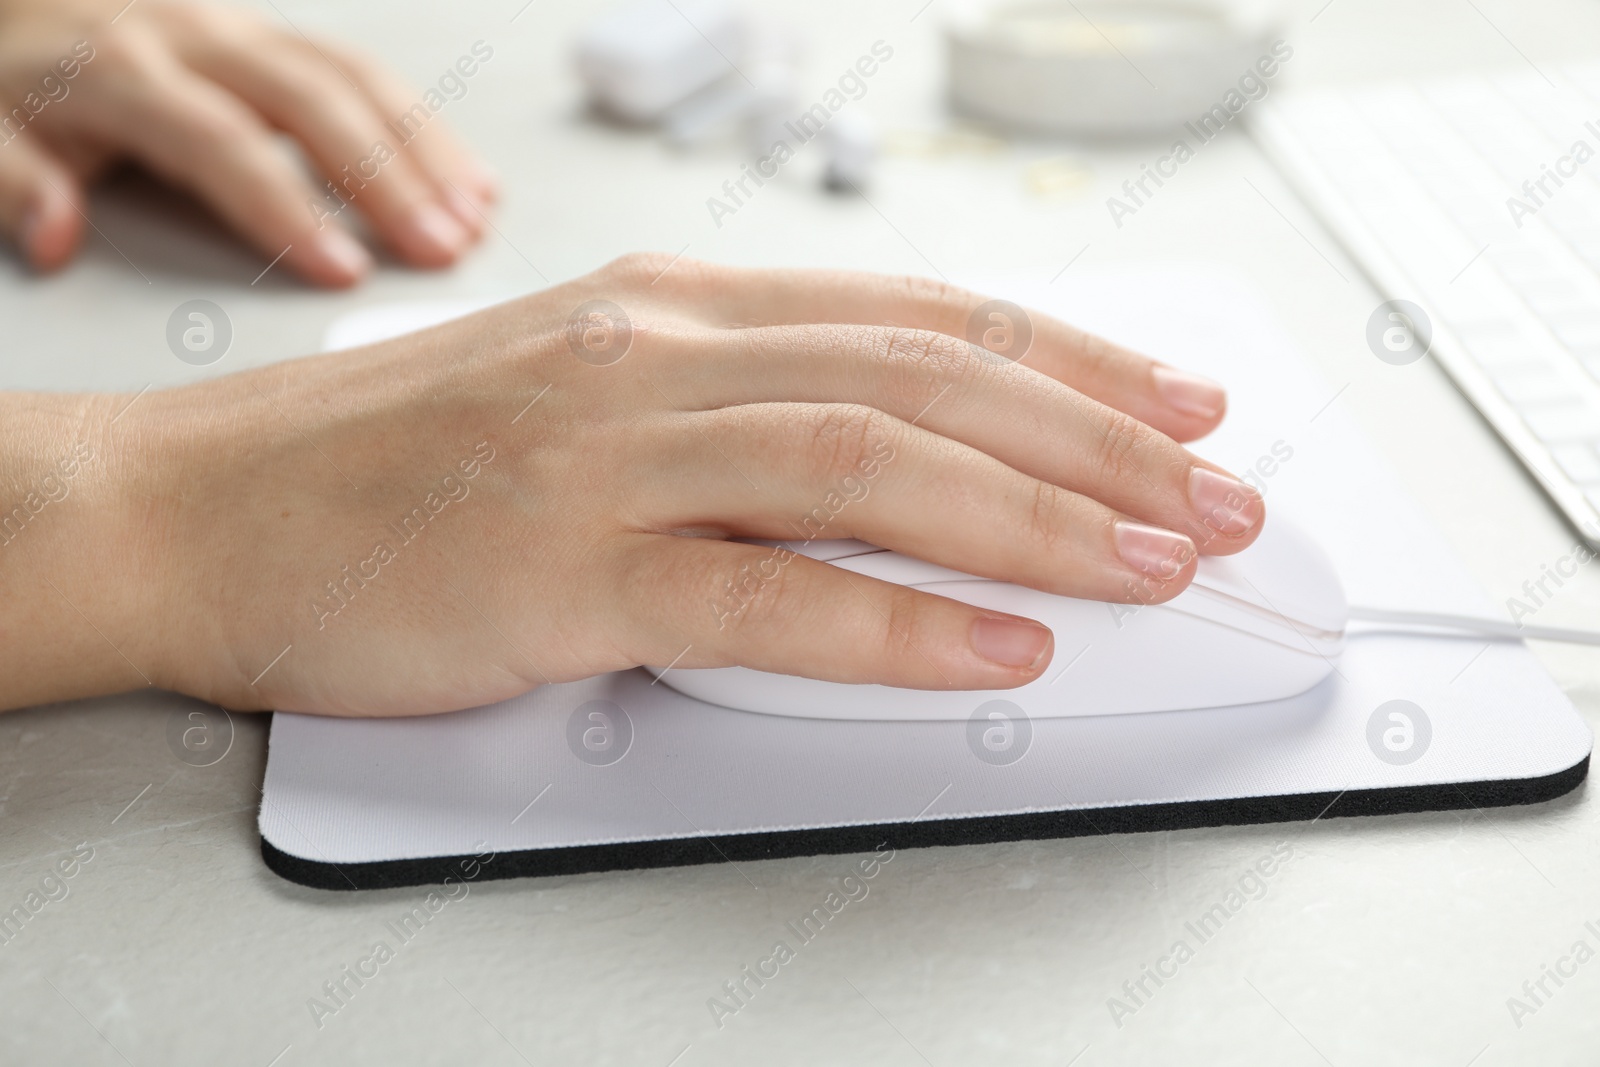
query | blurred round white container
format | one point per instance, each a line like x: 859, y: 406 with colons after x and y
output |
x: 1098, y: 67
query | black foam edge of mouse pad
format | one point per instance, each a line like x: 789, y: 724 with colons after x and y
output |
x: 975, y: 830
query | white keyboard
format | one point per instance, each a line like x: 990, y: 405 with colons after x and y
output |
x: 1414, y: 179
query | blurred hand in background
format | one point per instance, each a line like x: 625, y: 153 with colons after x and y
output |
x: 197, y: 94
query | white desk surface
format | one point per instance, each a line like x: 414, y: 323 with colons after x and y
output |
x: 1393, y: 940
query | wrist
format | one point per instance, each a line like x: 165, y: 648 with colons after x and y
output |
x: 78, y: 602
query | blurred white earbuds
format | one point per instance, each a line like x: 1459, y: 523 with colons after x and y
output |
x: 698, y: 68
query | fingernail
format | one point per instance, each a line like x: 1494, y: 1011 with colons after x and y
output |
x: 435, y: 228
x: 1225, y: 504
x: 344, y: 252
x: 1150, y: 549
x: 1190, y: 393
x: 1013, y: 642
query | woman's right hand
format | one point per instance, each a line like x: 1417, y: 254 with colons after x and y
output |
x: 544, y: 491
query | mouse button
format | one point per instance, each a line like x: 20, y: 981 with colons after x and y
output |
x: 1284, y: 572
x: 823, y: 550
x: 1205, y: 605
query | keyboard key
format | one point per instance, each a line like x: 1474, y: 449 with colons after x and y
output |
x: 1518, y: 265
x: 1551, y: 296
x: 1577, y: 329
x: 1530, y: 383
x: 1579, y: 462
x: 1555, y: 423
x: 1497, y: 343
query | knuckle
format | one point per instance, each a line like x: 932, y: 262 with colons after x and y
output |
x: 926, y: 352
x: 219, y: 133
x: 843, y: 436
x: 768, y: 596
x: 126, y: 52
x: 904, y: 618
x: 1050, y: 518
x: 318, y: 86
x: 784, y: 601
x: 207, y: 22
x: 1122, y: 446
x: 641, y: 268
x: 934, y: 292
x: 924, y: 364
x: 1099, y: 358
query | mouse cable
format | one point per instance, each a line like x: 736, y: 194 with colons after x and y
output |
x: 1475, y: 625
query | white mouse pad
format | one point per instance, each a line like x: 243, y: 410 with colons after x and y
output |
x: 617, y: 772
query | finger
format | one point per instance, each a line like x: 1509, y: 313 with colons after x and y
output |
x: 809, y: 618
x: 1182, y: 405
x: 465, y: 182
x: 41, y: 203
x: 197, y: 135
x: 1026, y: 420
x: 802, y: 472
x: 308, y: 98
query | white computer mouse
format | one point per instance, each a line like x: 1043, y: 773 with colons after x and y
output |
x: 1264, y: 624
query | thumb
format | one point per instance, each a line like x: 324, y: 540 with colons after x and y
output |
x: 40, y: 203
